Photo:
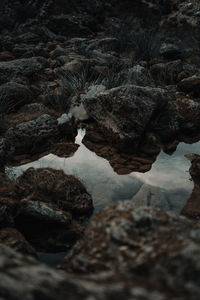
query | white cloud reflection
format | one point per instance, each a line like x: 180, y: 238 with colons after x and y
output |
x: 170, y: 173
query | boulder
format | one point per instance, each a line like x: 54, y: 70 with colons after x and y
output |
x: 35, y: 135
x: 6, y: 150
x: 144, y: 247
x: 10, y: 196
x: 13, y: 95
x: 190, y: 85
x: 126, y: 112
x: 14, y: 239
x: 54, y: 186
x: 27, y: 67
x: 192, y: 207
x: 169, y: 50
x: 54, y: 207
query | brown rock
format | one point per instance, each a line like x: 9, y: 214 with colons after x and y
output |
x: 14, y: 239
x: 64, y: 149
x: 192, y: 207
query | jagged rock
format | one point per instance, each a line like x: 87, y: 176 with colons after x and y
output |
x: 54, y: 207
x: 64, y: 149
x: 190, y: 85
x: 48, y: 185
x: 35, y: 135
x: 167, y: 73
x: 192, y: 207
x: 6, y: 151
x: 67, y: 126
x: 125, y: 112
x: 14, y: 239
x: 13, y: 95
x: 19, y: 67
x: 151, y: 249
x: 44, y: 212
x: 23, y: 277
x: 169, y: 50
x: 9, y: 200
x: 138, y: 75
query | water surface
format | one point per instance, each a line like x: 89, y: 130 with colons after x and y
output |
x: 168, y: 181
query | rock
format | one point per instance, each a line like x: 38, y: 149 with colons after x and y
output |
x: 54, y: 207
x: 13, y: 95
x: 53, y: 186
x: 10, y: 205
x: 35, y: 135
x: 64, y: 149
x: 190, y: 111
x: 125, y: 112
x: 67, y: 126
x: 138, y: 75
x: 69, y: 26
x: 167, y: 73
x: 44, y: 212
x: 151, y: 249
x: 14, y: 239
x: 169, y: 50
x: 192, y: 207
x: 190, y: 85
x: 6, y: 151
x: 108, y: 44
x: 19, y: 67
x: 22, y: 276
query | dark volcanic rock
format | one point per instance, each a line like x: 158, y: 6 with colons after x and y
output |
x: 54, y: 207
x: 6, y: 151
x: 192, y: 207
x: 125, y: 112
x: 14, y: 239
x: 35, y: 135
x: 19, y: 67
x: 191, y: 85
x: 10, y: 195
x: 151, y: 249
x: 64, y: 149
x: 13, y: 95
x: 23, y: 277
x: 54, y: 186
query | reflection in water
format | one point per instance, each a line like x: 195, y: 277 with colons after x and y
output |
x: 169, y: 177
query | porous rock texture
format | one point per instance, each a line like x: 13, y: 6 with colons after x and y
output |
x: 127, y: 72
x: 143, y: 248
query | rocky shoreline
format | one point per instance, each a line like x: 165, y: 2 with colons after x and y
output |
x: 129, y: 74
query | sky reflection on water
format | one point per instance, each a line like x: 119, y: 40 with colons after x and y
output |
x: 170, y: 174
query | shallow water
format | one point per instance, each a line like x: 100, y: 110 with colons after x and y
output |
x: 168, y: 180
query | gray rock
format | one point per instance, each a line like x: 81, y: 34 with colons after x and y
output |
x: 12, y: 238
x: 148, y: 248
x: 19, y: 67
x: 125, y: 112
x: 138, y: 75
x: 24, y: 277
x: 190, y: 85
x: 6, y: 151
x: 34, y: 135
x: 169, y: 50
x: 40, y: 211
x: 13, y: 95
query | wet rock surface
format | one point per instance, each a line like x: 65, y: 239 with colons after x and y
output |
x: 129, y: 74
